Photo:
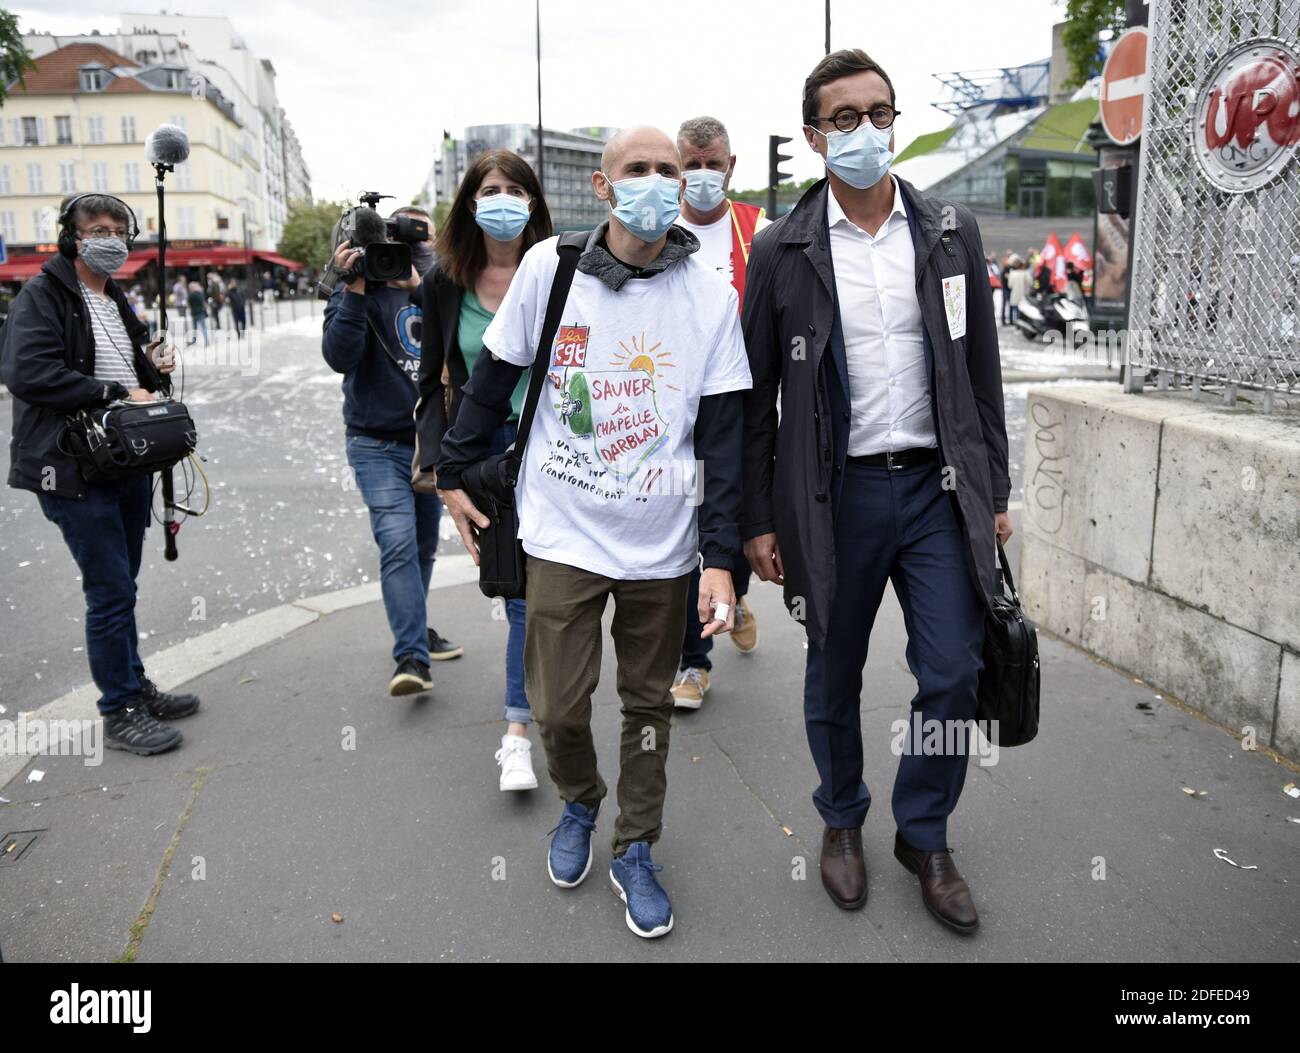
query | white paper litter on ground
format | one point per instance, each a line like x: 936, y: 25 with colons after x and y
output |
x: 35, y: 775
x: 1219, y: 853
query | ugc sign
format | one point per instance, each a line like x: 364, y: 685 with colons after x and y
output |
x: 1248, y: 115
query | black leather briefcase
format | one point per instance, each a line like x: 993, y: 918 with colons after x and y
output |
x: 1009, y: 684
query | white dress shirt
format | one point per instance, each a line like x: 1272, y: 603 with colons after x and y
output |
x: 889, y: 382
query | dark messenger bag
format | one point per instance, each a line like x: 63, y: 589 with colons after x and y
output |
x: 1009, y: 684
x: 128, y: 439
x: 490, y: 483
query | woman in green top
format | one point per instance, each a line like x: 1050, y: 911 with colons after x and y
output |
x: 498, y: 214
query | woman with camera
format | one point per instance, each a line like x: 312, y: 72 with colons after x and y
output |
x: 498, y: 214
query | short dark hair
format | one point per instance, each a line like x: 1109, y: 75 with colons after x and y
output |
x: 460, y: 247
x: 839, y: 64
x: 91, y: 205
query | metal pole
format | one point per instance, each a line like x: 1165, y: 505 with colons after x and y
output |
x: 828, y: 27
x: 541, y: 149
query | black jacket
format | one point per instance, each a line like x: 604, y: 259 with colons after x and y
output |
x: 794, y: 466
x: 364, y: 337
x: 47, y: 360
x: 439, y: 347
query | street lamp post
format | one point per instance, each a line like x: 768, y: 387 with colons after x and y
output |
x: 541, y: 149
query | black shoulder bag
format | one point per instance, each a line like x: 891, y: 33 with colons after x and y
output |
x: 490, y: 483
x: 1009, y: 684
x: 126, y: 439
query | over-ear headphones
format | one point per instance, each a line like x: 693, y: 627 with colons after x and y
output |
x: 68, y: 235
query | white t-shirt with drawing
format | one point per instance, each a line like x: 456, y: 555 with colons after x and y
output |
x: 608, y: 481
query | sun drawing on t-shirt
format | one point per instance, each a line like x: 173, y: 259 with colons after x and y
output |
x: 647, y: 359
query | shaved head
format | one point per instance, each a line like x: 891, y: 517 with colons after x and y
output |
x: 642, y: 142
x: 633, y: 152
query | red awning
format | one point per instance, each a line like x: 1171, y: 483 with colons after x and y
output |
x: 278, y: 260
x: 20, y: 268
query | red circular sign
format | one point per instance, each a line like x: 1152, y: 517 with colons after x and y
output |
x: 1124, y: 86
x: 1248, y: 115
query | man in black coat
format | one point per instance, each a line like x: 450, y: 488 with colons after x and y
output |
x: 73, y: 343
x: 868, y: 310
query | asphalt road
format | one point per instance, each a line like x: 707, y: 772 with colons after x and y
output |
x: 285, y: 520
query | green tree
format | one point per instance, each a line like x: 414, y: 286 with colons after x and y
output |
x: 1085, y: 20
x: 309, y: 232
x: 15, y: 59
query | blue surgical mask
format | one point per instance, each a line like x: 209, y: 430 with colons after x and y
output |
x: 860, y: 157
x: 704, y: 189
x: 646, y: 205
x: 501, y: 216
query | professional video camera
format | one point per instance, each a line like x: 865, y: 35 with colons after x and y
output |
x: 385, y: 244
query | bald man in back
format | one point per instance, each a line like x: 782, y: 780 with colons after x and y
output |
x: 644, y: 375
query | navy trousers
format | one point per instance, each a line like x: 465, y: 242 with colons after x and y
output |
x: 105, y: 534
x: 898, y: 526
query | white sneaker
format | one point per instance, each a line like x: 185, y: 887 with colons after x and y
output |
x: 515, y: 758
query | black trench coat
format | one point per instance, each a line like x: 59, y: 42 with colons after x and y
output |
x: 793, y: 468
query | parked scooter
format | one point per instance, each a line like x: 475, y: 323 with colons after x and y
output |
x: 1038, y: 315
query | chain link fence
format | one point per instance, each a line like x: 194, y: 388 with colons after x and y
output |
x: 1216, y: 253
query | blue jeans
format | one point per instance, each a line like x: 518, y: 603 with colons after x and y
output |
x: 105, y: 534
x: 897, y: 526
x: 405, y: 526
x: 517, y: 709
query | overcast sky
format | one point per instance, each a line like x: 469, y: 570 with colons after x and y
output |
x: 371, y: 87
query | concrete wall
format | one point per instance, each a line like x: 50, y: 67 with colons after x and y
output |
x: 1163, y: 535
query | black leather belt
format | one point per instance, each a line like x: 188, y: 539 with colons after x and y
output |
x: 895, y: 460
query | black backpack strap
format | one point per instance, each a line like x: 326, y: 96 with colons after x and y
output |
x: 568, y: 248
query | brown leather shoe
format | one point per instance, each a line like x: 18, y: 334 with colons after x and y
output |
x: 844, y: 871
x: 943, y: 891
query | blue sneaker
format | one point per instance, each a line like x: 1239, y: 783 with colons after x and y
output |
x: 649, y: 913
x: 569, y: 859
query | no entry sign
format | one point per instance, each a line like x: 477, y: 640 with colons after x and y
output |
x: 1123, y: 85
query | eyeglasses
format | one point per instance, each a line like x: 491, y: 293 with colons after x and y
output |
x: 848, y: 119
x: 105, y: 232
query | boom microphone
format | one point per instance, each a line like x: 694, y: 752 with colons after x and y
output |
x: 369, y: 228
x: 167, y: 145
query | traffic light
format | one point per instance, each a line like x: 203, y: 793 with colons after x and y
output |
x: 774, y: 173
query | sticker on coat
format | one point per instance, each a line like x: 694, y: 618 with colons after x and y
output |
x: 954, y: 305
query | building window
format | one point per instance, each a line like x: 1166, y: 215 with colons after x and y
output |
x: 43, y: 224
x: 67, y: 177
x: 4, y: 180
x: 35, y: 179
x: 173, y: 80
x: 8, y: 227
x: 29, y: 131
x: 185, y: 176
x: 178, y: 119
x: 95, y: 130
x: 131, y: 176
x: 63, y: 130
x: 93, y: 80
x: 128, y: 129
x: 99, y: 176
x: 187, y: 225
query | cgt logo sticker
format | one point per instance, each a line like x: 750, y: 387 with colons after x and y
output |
x: 571, y: 346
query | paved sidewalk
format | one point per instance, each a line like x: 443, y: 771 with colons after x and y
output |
x: 407, y: 838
